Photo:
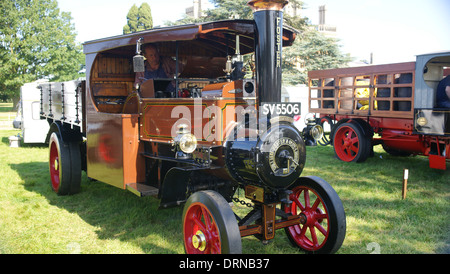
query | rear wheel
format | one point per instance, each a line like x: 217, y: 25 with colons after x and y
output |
x: 350, y: 143
x: 64, y: 165
x: 209, y: 225
x: 324, y: 226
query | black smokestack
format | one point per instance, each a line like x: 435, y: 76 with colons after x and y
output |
x: 268, y: 16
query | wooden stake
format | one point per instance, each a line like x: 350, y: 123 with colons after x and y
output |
x: 405, y: 183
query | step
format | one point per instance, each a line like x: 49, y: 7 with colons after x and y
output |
x: 142, y: 190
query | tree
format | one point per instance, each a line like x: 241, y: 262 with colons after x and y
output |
x: 132, y: 20
x: 138, y: 19
x: 36, y: 41
x: 311, y: 50
x: 297, y: 22
x: 230, y: 9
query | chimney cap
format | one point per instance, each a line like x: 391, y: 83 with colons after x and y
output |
x: 258, y: 5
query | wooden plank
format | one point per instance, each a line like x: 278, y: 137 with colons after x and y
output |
x: 110, y: 89
x: 116, y: 77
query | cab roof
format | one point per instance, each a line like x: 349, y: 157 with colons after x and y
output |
x: 216, y: 38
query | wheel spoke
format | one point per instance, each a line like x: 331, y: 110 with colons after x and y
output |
x: 303, y: 231
x: 306, y: 196
x: 214, y: 242
x: 313, y: 236
x: 197, y: 218
x: 316, y: 204
x: 354, y: 149
x: 320, y: 228
x: 321, y: 216
x: 354, y: 140
x: 215, y: 247
x: 206, y: 219
x: 347, y: 152
x: 297, y: 202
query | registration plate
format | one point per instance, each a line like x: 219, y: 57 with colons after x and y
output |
x: 281, y: 109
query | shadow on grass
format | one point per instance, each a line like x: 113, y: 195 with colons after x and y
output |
x: 118, y: 213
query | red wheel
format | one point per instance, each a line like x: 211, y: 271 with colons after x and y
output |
x: 324, y: 225
x: 54, y: 163
x: 209, y: 225
x: 64, y: 166
x: 350, y: 143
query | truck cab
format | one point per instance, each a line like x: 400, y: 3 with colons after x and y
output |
x: 429, y: 118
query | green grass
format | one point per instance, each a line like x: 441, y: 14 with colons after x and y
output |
x: 104, y: 219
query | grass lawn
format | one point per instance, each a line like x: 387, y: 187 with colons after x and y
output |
x: 104, y: 219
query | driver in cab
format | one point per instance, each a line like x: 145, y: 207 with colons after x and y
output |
x: 157, y: 67
x: 443, y: 93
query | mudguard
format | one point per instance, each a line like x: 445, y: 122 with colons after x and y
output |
x: 174, y: 187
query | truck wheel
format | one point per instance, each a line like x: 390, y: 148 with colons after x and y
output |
x: 209, y: 225
x: 324, y: 226
x: 350, y: 143
x: 323, y: 122
x: 64, y: 165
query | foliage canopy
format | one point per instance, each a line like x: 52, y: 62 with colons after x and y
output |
x: 36, y: 41
x: 138, y: 19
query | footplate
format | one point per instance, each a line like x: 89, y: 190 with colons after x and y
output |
x: 142, y: 190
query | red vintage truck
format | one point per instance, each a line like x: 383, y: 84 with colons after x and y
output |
x: 395, y: 105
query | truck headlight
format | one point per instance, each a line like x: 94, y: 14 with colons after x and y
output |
x: 185, y: 141
x: 188, y: 143
x: 422, y: 121
x: 316, y: 132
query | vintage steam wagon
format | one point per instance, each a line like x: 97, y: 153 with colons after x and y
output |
x: 196, y: 136
x: 395, y: 105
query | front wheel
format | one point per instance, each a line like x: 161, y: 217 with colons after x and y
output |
x: 209, y: 225
x: 324, y: 224
x: 327, y: 125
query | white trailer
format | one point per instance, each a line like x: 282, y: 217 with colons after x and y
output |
x: 34, y: 130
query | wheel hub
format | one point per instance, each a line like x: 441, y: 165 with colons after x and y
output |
x: 309, y: 217
x: 55, y: 164
x: 199, y: 241
x: 347, y: 142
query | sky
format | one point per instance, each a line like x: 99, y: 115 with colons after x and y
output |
x: 393, y: 30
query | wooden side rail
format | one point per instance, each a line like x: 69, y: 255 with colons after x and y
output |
x: 383, y: 90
